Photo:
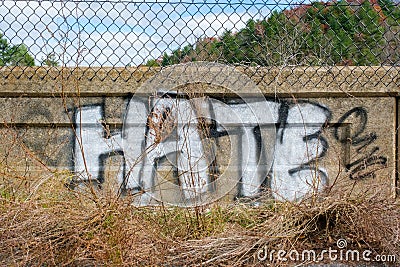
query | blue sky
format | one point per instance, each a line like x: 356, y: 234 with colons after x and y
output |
x: 118, y: 33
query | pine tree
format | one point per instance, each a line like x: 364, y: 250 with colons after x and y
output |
x: 14, y: 55
x: 369, y: 35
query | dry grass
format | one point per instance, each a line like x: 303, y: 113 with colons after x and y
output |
x: 70, y: 228
x: 366, y: 224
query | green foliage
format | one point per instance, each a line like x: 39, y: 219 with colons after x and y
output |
x: 387, y: 6
x: 283, y: 40
x: 50, y: 60
x: 369, y: 35
x: 14, y: 55
x: 152, y: 63
x: 178, y: 56
x: 331, y: 33
x: 392, y: 12
x: 230, y: 47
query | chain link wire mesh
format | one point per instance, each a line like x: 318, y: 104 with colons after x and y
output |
x: 250, y: 33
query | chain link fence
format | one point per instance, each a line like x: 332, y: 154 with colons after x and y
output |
x: 124, y: 35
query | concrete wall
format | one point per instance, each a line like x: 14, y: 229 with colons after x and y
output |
x: 318, y: 129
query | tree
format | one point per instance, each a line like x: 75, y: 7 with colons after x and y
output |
x: 152, y: 63
x: 368, y: 35
x: 336, y: 32
x: 50, y: 60
x: 230, y: 48
x: 14, y: 55
x: 283, y: 41
x: 387, y: 6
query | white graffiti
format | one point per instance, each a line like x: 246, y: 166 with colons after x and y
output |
x: 91, y: 145
x: 298, y: 145
x: 288, y: 157
x: 251, y: 150
x: 185, y: 150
